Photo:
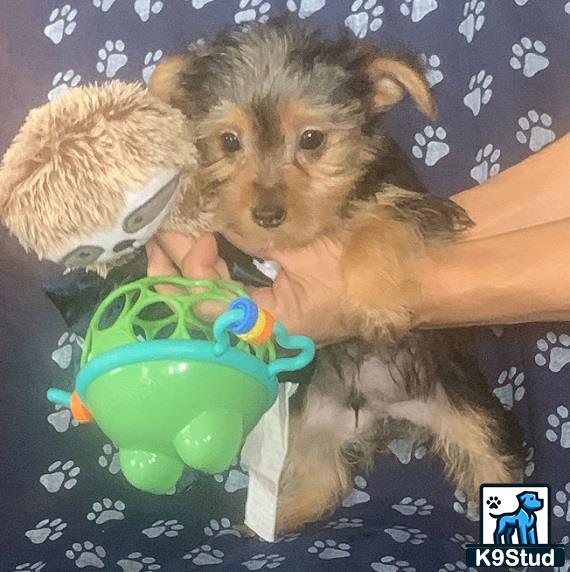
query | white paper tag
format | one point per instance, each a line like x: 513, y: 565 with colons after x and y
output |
x: 264, y: 454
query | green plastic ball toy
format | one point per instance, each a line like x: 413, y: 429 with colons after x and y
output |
x: 171, y: 388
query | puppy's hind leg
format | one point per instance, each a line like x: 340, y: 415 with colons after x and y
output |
x: 325, y: 446
x: 315, y: 478
x: 473, y: 442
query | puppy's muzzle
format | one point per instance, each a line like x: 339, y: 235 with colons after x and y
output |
x: 268, y: 217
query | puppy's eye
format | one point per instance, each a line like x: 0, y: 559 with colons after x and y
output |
x: 311, y: 139
x: 230, y: 142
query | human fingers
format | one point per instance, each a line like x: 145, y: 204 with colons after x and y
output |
x: 203, y: 260
x: 176, y: 246
x: 160, y: 264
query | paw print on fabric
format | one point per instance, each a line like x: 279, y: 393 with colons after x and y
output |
x: 530, y: 465
x: 430, y: 145
x: 456, y: 566
x: 221, y: 528
x: 110, y: 459
x: 462, y: 539
x: 473, y: 19
x: 136, y: 562
x: 305, y: 8
x: 285, y: 538
x: 407, y: 449
x: 252, y: 10
x: 466, y: 507
x: 28, y: 567
x: 46, y: 530
x: 498, y: 331
x: 358, y: 494
x: 407, y: 506
x: 521, y: 2
x: 199, y: 4
x: 168, y: 528
x: 61, y: 419
x: 264, y: 561
x: 61, y: 82
x: 146, y: 8
x: 205, y: 555
x: 104, y: 5
x: 529, y: 57
x: 567, y: 7
x: 535, y: 130
x: 561, y: 503
x: 390, y: 564
x: 86, y: 554
x: 559, y: 430
x: 488, y: 165
x: 235, y: 480
x: 554, y: 351
x: 329, y: 549
x: 150, y: 61
x: 511, y: 387
x: 493, y: 502
x: 68, y: 342
x: 433, y: 74
x: 405, y: 535
x: 417, y: 10
x: 479, y: 93
x: 60, y: 475
x: 61, y: 23
x: 112, y: 58
x: 345, y: 522
x: 106, y: 510
x: 366, y: 17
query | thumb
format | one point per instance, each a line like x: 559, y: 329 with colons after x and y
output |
x: 201, y: 261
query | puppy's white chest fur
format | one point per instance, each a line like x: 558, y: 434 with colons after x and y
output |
x: 347, y: 402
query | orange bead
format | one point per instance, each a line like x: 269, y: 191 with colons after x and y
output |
x: 80, y: 413
x: 267, y: 331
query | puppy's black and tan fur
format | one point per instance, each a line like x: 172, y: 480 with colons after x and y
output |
x: 292, y: 147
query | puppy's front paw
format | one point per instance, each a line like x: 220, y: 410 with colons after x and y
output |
x: 381, y: 285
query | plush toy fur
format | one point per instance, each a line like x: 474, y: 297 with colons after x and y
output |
x: 67, y: 170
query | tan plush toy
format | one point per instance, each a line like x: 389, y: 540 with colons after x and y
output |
x: 92, y: 175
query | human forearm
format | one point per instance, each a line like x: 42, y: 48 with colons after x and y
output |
x: 520, y: 276
x: 532, y: 192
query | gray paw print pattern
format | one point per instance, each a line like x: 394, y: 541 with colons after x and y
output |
x: 499, y: 73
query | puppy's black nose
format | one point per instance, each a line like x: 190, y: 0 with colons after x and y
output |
x: 123, y: 245
x: 268, y: 217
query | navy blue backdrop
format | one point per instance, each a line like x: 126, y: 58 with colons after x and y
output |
x: 501, y: 75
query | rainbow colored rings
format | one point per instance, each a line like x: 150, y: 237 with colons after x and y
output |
x: 256, y: 326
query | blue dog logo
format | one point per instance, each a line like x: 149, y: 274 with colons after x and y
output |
x: 522, y: 520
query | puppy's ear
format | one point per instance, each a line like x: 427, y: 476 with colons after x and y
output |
x: 395, y: 78
x: 180, y: 81
x: 165, y: 81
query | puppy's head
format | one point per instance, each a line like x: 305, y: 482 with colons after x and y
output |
x: 288, y: 122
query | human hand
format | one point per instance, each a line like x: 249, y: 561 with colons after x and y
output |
x: 176, y: 254
x: 306, y: 296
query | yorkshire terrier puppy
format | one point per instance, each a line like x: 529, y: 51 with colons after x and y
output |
x: 292, y: 146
